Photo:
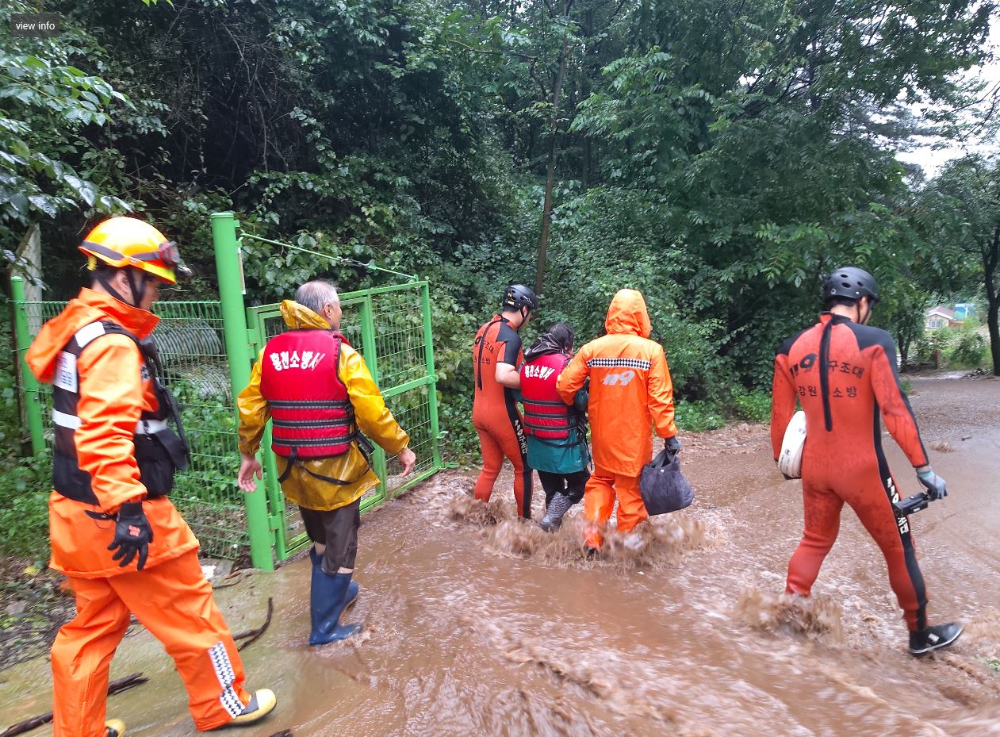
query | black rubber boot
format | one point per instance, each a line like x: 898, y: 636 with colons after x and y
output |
x: 934, y: 638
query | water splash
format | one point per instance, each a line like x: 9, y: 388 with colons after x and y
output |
x: 652, y: 544
x: 466, y: 508
x: 815, y: 616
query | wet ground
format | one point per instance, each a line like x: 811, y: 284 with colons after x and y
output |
x: 479, y: 625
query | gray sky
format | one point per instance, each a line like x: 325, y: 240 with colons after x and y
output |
x: 930, y: 158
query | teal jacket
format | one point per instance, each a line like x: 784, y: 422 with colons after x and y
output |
x: 561, y: 456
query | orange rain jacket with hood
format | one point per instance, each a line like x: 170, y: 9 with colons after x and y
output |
x: 373, y: 417
x: 630, y: 387
x: 113, y: 395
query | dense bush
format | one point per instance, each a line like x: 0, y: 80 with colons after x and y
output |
x: 967, y: 350
x: 961, y: 347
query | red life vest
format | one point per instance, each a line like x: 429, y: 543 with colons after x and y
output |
x: 546, y: 416
x: 311, y: 412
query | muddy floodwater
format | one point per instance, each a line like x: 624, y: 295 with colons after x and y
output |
x: 477, y: 624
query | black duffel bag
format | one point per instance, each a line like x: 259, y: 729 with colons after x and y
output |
x: 664, y: 488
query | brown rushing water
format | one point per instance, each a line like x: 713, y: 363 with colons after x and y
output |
x: 477, y: 624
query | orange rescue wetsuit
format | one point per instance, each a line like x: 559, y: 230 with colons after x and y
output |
x: 844, y: 374
x: 495, y: 414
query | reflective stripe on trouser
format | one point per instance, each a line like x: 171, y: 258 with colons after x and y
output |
x: 868, y: 496
x: 599, y: 501
x: 174, y: 602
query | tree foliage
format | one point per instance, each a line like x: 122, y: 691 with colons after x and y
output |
x: 717, y: 154
x: 961, y: 212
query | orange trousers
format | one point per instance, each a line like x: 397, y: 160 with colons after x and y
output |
x: 500, y: 436
x: 174, y: 602
x: 599, y: 502
x: 869, y: 492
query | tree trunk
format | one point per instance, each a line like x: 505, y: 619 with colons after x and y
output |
x: 994, y: 323
x: 904, y: 353
x: 991, y: 262
x: 550, y: 166
x: 543, y: 239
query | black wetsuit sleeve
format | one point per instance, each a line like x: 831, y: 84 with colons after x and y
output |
x: 511, y: 345
x: 880, y: 350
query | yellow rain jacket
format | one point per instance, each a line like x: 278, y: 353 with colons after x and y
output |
x: 373, y: 418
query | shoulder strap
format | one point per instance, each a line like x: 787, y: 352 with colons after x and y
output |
x: 152, y: 359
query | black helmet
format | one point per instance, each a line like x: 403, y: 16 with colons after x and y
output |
x: 517, y: 297
x: 849, y: 283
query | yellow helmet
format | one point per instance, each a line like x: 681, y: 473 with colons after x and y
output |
x: 124, y: 241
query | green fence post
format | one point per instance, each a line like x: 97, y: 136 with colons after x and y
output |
x: 429, y: 353
x: 234, y: 321
x: 370, y: 352
x: 29, y: 384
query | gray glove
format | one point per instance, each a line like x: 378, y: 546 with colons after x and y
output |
x: 673, y: 445
x: 935, y: 485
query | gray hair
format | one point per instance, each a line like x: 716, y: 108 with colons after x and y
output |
x: 316, y: 295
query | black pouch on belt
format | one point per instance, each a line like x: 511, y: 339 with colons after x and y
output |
x: 160, y: 455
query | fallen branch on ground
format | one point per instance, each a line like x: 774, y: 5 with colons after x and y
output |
x: 253, y: 635
x: 122, y: 684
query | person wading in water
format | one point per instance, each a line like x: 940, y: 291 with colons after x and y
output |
x: 843, y: 373
x: 496, y: 355
x: 557, y: 432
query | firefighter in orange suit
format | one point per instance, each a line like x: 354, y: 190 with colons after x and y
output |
x: 843, y: 373
x: 630, y: 392
x: 317, y: 392
x: 112, y: 468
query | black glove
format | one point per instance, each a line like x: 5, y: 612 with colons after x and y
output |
x: 673, y: 446
x: 935, y: 485
x: 132, y: 535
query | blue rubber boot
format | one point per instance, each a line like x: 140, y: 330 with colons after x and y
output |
x: 329, y: 598
x: 352, y: 591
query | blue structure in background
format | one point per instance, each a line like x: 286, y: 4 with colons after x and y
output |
x: 964, y: 310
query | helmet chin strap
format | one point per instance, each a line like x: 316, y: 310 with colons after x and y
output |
x: 138, y: 292
x: 863, y: 321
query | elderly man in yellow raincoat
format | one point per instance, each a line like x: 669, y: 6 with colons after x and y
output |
x: 319, y: 395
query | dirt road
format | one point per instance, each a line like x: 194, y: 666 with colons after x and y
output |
x: 480, y: 625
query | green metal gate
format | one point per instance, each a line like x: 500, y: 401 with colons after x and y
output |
x: 391, y: 328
